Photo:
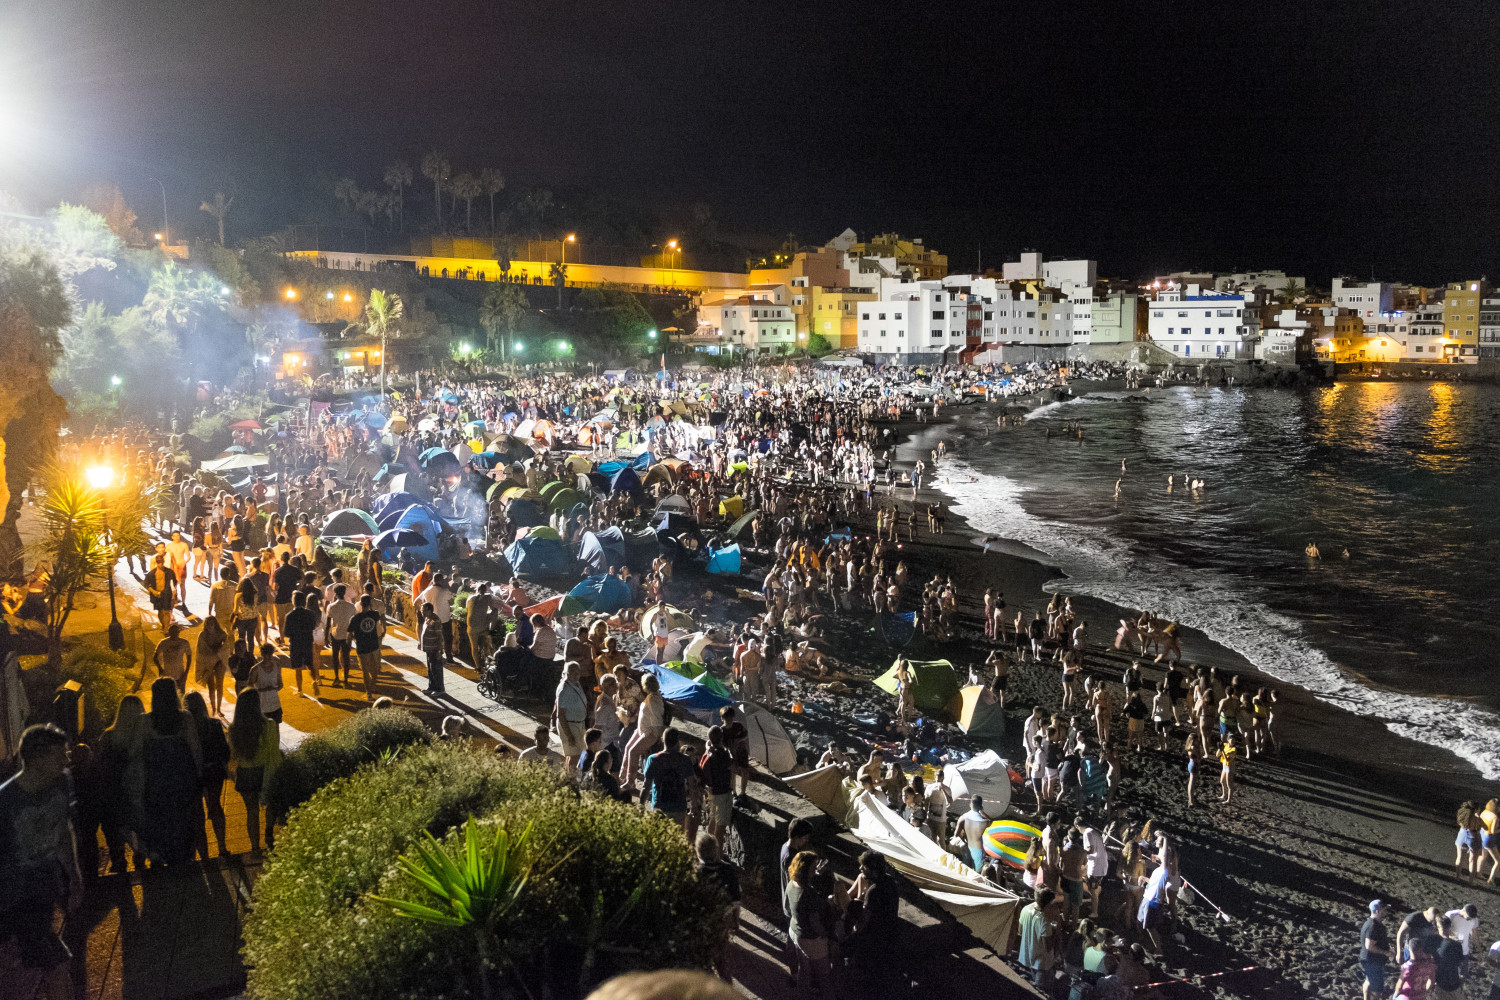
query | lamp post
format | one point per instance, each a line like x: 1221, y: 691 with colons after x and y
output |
x: 100, y: 477
x: 571, y: 238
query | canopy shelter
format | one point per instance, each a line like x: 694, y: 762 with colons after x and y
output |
x: 897, y: 627
x: 732, y: 507
x: 602, y: 550
x: 693, y: 699
x: 349, y: 521
x: 538, y: 557
x: 934, y: 685
x: 603, y: 593
x: 231, y: 463
x: 986, y: 775
x: 980, y: 715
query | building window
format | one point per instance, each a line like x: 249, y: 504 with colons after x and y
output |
x: 937, y: 314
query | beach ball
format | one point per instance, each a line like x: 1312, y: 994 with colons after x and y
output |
x: 1008, y: 840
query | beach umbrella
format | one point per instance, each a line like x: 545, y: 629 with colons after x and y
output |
x: 1008, y: 841
x: 248, y: 424
x: 398, y: 423
x: 375, y: 420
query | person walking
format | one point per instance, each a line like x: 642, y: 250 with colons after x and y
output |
x: 213, y: 749
x: 440, y: 596
x: 336, y: 619
x: 368, y: 629
x: 161, y: 586
x: 212, y: 662
x: 255, y: 749
x: 569, y: 715
x: 172, y: 819
x: 265, y: 678
x: 971, y: 827
x: 430, y: 641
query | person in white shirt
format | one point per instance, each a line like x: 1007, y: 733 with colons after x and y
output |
x: 537, y: 752
x: 441, y: 598
x: 304, y: 544
x: 971, y: 827
x: 340, y: 611
x: 1465, y: 922
x: 569, y: 712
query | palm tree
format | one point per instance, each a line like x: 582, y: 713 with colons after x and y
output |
x: 382, y: 314
x: 346, y: 191
x: 390, y: 202
x: 493, y: 183
x: 397, y: 176
x: 502, y: 309
x: 435, y: 167
x: 559, y: 275
x: 218, y: 208
x: 1291, y: 292
x: 467, y: 187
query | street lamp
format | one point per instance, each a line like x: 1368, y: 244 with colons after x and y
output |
x: 100, y: 477
x: 290, y: 293
x: 651, y: 334
x: 328, y: 296
x: 464, y: 349
x: 571, y: 238
x: 114, y: 380
x: 676, y: 252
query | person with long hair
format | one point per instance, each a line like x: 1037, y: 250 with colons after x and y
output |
x: 811, y: 929
x: 1489, y: 838
x: 650, y: 724
x: 122, y: 778
x: 213, y: 547
x: 255, y: 749
x: 214, y: 751
x: 246, y: 611
x: 212, y: 662
x: 172, y: 820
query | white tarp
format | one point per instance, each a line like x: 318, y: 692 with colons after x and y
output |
x: 826, y: 788
x: 979, y: 904
x: 229, y: 463
x: 985, y: 774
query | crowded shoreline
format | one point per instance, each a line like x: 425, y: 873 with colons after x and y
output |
x: 1296, y: 855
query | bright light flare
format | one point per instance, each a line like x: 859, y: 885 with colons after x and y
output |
x: 100, y: 477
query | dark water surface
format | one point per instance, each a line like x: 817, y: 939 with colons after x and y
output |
x: 1405, y: 476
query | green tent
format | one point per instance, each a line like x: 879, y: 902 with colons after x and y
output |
x: 550, y: 488
x: 741, y: 523
x: 936, y: 689
x: 564, y: 499
x: 697, y: 672
x: 545, y: 531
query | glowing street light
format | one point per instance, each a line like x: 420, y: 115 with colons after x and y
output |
x: 348, y: 297
x: 115, y: 381
x: 651, y: 334
x: 520, y: 347
x: 571, y: 238
x: 464, y: 349
x: 562, y: 346
x: 290, y: 293
x: 223, y: 289
x: 328, y: 296
x: 157, y: 237
x: 101, y: 477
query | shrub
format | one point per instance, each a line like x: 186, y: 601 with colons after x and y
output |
x: 343, y: 555
x: 611, y: 888
x: 338, y: 753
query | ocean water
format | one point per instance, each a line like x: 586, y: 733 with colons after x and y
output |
x: 1406, y: 477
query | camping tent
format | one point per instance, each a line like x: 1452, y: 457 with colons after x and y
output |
x: 675, y: 617
x: 675, y: 504
x: 538, y: 557
x: 624, y: 481
x: 769, y: 742
x: 826, y: 788
x: 548, y: 489
x: 986, y: 775
x: 565, y: 499
x: 897, y: 628
x: 603, y: 593
x: 438, y: 462
x: 670, y: 525
x: 657, y: 474
x: 389, y: 501
x: 935, y: 689
x: 690, y: 697
x: 741, y: 523
x: 544, y: 531
x: 392, y: 517
x: 349, y: 521
x: 415, y: 519
x: 487, y: 460
x: 732, y: 506
x: 641, y: 547
x: 725, y: 560
x: 602, y: 550
x: 697, y: 672
x: 408, y: 482
x: 985, y: 908
x: 525, y: 513
x: 981, y: 715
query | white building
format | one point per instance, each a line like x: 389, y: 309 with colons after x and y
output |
x: 914, y: 322
x: 1191, y: 324
x: 1244, y: 281
x: 1424, y: 334
x: 759, y: 322
x: 1489, y: 327
x: 1063, y: 274
x: 1111, y: 319
x: 1370, y: 299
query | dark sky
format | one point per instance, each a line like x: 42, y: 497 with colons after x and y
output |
x: 1321, y: 138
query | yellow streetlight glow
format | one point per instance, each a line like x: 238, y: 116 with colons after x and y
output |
x: 348, y: 297
x: 572, y: 237
x: 672, y: 244
x: 99, y: 476
x: 291, y: 293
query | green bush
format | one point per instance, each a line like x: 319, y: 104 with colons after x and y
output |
x: 315, y: 931
x: 343, y: 555
x: 106, y: 676
x: 339, y: 752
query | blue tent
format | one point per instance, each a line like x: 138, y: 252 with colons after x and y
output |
x: 439, y: 462
x: 525, y: 513
x: 448, y: 396
x: 725, y: 560
x: 538, y: 557
x: 487, y: 460
x: 394, y: 518
x: 602, y: 549
x: 897, y: 628
x: 389, y: 501
x: 609, y: 468
x: 412, y: 524
x: 689, y: 696
x: 375, y: 420
x: 625, y: 481
x: 603, y: 593
x: 643, y: 461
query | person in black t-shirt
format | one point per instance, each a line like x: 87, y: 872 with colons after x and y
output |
x: 1449, y: 956
x: 298, y: 628
x: 367, y: 629
x: 711, y: 867
x: 1417, y: 924
x: 1374, y: 951
x: 283, y: 585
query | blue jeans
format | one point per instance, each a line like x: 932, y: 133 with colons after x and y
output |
x: 1374, y: 975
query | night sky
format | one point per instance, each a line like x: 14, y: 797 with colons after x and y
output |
x: 1319, y: 138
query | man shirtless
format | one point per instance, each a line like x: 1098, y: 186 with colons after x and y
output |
x: 748, y: 667
x: 174, y: 657
x: 1104, y: 711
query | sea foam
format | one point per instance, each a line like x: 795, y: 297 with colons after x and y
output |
x: 1102, y: 565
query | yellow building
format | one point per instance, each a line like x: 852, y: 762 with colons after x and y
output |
x: 1461, y: 317
x: 832, y: 313
x: 909, y: 254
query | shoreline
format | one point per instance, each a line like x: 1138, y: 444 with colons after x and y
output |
x: 1349, y: 812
